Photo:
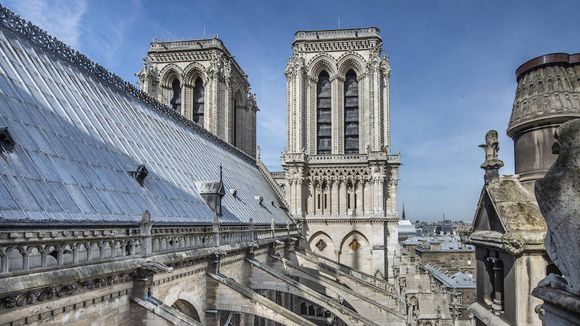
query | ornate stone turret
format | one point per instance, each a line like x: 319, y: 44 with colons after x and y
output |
x: 548, y: 94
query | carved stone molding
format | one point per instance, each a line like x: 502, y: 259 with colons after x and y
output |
x: 57, y: 291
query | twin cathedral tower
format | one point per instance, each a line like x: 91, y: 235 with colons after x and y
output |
x: 339, y: 179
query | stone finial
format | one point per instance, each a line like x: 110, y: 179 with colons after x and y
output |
x: 492, y: 163
x: 558, y: 195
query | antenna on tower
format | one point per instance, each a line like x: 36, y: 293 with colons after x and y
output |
x: 204, y: 32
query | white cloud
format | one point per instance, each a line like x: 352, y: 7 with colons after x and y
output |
x: 60, y: 18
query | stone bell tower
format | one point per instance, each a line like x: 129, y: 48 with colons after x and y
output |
x: 202, y: 81
x: 341, y: 179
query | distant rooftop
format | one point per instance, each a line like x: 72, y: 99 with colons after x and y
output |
x: 457, y: 280
x: 448, y: 243
x: 337, y: 34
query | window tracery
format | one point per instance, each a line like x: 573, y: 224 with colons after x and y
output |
x: 351, y: 113
x: 175, y: 100
x: 323, y: 114
x: 198, y: 101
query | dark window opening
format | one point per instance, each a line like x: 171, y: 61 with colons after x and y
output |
x: 351, y: 128
x: 354, y: 201
x: 318, y: 200
x: 323, y: 114
x: 175, y: 95
x: 325, y: 201
x: 198, y: 101
x: 348, y: 201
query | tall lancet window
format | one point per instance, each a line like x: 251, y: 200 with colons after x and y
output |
x: 323, y: 114
x: 350, y: 113
x: 175, y: 100
x: 198, y: 107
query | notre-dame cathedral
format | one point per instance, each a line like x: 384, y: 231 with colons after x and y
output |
x: 340, y: 176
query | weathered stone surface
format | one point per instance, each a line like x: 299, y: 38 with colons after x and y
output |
x: 558, y: 195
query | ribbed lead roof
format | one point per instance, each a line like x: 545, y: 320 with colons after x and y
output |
x: 78, y: 136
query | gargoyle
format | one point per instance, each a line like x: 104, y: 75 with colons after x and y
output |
x: 558, y: 195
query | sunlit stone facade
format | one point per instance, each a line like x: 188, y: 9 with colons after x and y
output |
x: 341, y: 178
x: 201, y: 80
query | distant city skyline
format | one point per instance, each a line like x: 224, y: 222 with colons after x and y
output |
x: 453, y: 69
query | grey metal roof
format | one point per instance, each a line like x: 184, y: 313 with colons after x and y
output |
x: 77, y: 136
x: 457, y: 280
x: 448, y: 243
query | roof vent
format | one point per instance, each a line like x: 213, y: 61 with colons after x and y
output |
x: 139, y: 173
x: 212, y: 193
x: 234, y: 193
x: 6, y: 140
x: 259, y: 199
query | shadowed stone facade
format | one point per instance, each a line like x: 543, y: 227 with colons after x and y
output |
x: 340, y: 178
x: 202, y: 81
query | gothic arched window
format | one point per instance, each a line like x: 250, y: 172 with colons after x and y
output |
x: 351, y: 113
x: 323, y: 115
x: 198, y: 107
x: 238, y: 120
x: 175, y: 101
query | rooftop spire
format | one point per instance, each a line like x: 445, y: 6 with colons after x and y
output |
x: 403, y: 215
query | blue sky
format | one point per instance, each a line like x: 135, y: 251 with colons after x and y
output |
x: 452, y: 62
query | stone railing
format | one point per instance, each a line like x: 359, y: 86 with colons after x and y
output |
x: 187, y: 44
x: 390, y: 158
x: 23, y: 249
x: 337, y: 34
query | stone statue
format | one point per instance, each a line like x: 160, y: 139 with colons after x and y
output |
x: 492, y: 162
x: 558, y: 195
x: 491, y: 146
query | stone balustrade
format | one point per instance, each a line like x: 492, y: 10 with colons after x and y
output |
x: 22, y: 250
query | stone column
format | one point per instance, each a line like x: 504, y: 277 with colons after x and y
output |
x: 339, y: 115
x: 335, y: 114
x: 393, y: 184
x: 290, y: 109
x: 300, y: 106
x: 225, y: 123
x: 334, y: 197
x: 342, y: 198
x: 299, y: 197
x: 310, y: 199
x: 386, y: 102
x: 359, y: 198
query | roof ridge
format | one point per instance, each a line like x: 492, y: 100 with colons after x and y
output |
x: 14, y: 23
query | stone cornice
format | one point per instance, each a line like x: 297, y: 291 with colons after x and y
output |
x: 512, y: 245
x: 348, y: 220
x: 337, y: 34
